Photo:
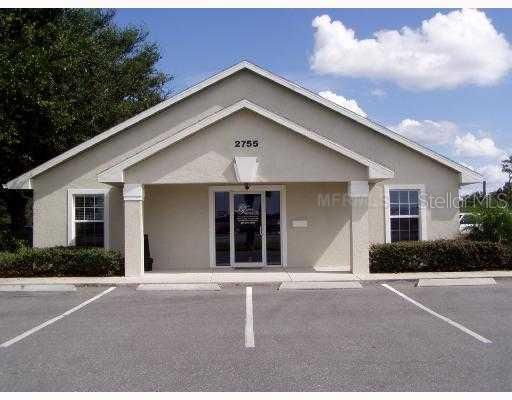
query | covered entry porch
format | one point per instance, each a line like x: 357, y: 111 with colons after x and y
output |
x: 292, y: 230
x: 245, y: 187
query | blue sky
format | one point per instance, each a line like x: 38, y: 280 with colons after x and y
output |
x: 440, y: 108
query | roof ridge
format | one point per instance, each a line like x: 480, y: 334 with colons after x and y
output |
x: 23, y: 181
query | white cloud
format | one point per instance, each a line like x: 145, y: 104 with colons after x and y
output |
x: 378, y: 92
x: 463, y: 144
x: 471, y: 146
x: 448, y: 50
x: 477, y: 153
x: 427, y: 131
x: 493, y: 175
x: 350, y: 104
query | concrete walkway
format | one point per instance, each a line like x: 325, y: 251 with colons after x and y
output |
x: 269, y: 275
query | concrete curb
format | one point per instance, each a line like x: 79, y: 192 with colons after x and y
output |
x: 319, y: 285
x: 179, y: 286
x: 242, y: 278
x: 38, y: 288
x: 456, y: 282
x: 411, y: 276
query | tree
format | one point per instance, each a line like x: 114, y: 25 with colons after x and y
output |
x: 506, y: 167
x: 65, y: 76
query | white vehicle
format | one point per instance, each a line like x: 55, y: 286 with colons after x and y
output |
x: 466, y: 222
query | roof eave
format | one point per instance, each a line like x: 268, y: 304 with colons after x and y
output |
x: 19, y: 183
x: 377, y: 172
x: 468, y: 176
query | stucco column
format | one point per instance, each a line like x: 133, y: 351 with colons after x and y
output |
x: 133, y: 229
x: 359, y: 238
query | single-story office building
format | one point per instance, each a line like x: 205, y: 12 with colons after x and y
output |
x: 244, y: 169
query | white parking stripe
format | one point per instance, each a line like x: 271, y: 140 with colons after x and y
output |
x: 55, y: 319
x: 249, y: 319
x: 453, y: 323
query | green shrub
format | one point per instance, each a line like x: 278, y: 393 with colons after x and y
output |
x: 60, y: 261
x: 440, y: 255
x: 492, y: 223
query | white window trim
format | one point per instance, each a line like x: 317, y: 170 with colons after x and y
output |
x: 71, y: 212
x: 252, y: 189
x: 422, y: 209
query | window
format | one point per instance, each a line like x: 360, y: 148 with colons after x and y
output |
x: 404, y: 214
x: 89, y: 222
x: 88, y: 217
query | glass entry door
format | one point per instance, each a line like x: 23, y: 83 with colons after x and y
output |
x: 248, y: 233
x: 246, y: 227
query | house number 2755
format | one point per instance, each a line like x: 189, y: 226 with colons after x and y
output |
x: 246, y: 143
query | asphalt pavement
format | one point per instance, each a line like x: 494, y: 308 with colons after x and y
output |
x: 368, y: 339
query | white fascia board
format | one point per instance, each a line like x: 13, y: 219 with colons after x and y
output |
x: 467, y: 175
x: 378, y: 170
x: 15, y: 183
x: 172, y: 136
x: 159, y: 138
x: 18, y: 183
x: 111, y: 176
x: 467, y: 178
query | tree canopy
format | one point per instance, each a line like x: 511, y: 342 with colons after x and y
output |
x: 65, y: 76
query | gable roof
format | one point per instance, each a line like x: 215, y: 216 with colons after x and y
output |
x: 115, y: 172
x: 23, y: 181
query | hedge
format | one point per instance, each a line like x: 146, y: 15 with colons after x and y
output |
x: 60, y: 261
x: 439, y: 256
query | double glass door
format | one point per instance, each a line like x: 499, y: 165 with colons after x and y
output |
x: 247, y: 228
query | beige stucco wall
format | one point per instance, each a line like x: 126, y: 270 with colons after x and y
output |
x: 134, y: 239
x: 326, y: 239
x: 442, y: 220
x: 410, y: 167
x: 51, y: 214
x: 283, y: 156
x: 50, y: 188
x: 177, y: 222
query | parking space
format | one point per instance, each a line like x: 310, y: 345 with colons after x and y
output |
x: 21, y: 311
x: 370, y: 339
x: 352, y: 339
x: 485, y: 309
x: 132, y: 340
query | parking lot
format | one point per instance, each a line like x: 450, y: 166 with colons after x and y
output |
x: 379, y: 338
